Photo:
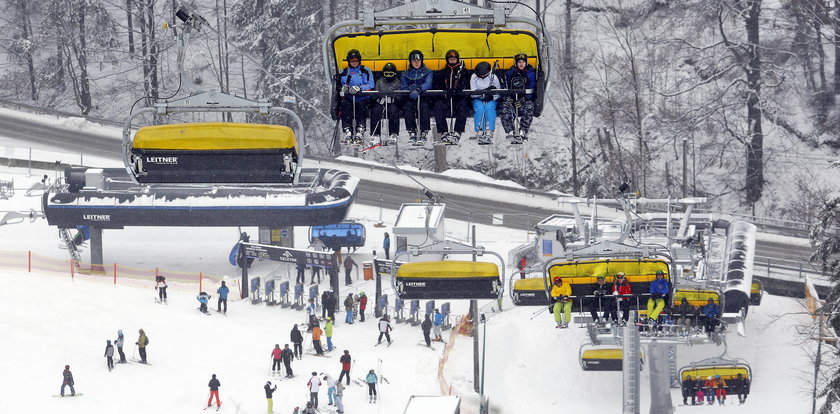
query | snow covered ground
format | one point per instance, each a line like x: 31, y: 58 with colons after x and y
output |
x: 50, y: 321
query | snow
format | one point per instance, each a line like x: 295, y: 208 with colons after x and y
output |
x: 477, y: 176
x: 69, y: 123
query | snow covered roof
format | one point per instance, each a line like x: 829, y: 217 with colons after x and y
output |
x: 412, y: 217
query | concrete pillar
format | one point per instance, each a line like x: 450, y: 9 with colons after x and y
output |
x: 97, y: 258
x: 660, y: 379
x: 630, y: 367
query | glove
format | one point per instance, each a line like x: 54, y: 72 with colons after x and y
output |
x: 449, y: 93
x: 509, y: 101
x: 137, y: 343
x: 517, y: 104
x: 487, y: 98
x: 345, y: 89
x: 491, y: 87
x: 354, y: 90
x: 414, y: 94
x: 615, y: 293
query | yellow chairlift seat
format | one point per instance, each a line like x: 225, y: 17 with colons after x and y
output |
x: 214, y: 152
x: 696, y: 297
x: 582, y: 274
x: 529, y: 292
x: 727, y: 369
x: 603, y: 359
x: 449, y: 279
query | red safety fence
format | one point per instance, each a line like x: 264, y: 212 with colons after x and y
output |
x: 114, y: 273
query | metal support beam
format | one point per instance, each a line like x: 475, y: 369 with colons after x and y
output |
x: 660, y: 379
x: 630, y: 368
x: 97, y: 257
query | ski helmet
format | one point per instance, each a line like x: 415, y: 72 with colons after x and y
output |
x: 520, y: 56
x: 482, y: 69
x: 660, y: 273
x: 452, y: 53
x: 389, y: 70
x: 557, y: 279
x: 415, y: 55
x: 354, y: 54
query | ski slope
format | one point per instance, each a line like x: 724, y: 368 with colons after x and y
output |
x: 49, y: 321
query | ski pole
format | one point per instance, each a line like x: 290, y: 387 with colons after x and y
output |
x: 353, y: 99
x: 451, y: 116
x: 134, y: 352
x: 418, y: 113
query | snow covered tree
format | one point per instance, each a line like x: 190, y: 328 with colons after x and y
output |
x: 22, y: 43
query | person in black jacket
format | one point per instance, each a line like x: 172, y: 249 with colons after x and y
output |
x: 297, y: 339
x: 426, y: 326
x: 329, y: 302
x: 109, y: 354
x: 287, y: 355
x: 688, y: 390
x: 452, y: 78
x: 602, y: 301
x: 741, y: 386
x: 214, y: 385
x: 269, y: 391
x: 68, y: 381
x: 324, y: 303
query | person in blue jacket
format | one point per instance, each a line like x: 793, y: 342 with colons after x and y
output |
x: 223, y: 293
x: 203, y: 298
x: 386, y: 245
x: 711, y: 312
x: 353, y: 107
x: 416, y: 79
x: 659, y: 290
x: 520, y: 76
x: 371, y: 379
x: 438, y: 324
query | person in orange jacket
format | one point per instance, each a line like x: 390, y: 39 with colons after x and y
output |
x: 316, y: 339
x: 560, y: 293
x: 708, y: 389
x: 719, y: 385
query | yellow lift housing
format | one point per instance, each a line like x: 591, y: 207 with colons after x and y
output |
x: 448, y: 279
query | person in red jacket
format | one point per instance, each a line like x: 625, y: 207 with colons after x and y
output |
x: 345, y: 366
x: 362, y: 305
x: 521, y: 266
x: 622, y: 287
x: 275, y: 355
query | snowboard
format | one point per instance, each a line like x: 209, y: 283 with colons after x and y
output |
x: 78, y: 394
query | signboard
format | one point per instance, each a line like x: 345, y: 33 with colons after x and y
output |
x: 383, y: 267
x: 288, y: 255
x: 547, y: 248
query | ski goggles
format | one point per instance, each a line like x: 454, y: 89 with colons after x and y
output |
x: 389, y: 74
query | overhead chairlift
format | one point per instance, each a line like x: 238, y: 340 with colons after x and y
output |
x: 336, y: 236
x: 529, y: 292
x: 756, y: 292
x: 603, y: 358
x: 448, y: 279
x: 728, y: 369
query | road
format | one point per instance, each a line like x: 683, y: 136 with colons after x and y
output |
x: 374, y: 193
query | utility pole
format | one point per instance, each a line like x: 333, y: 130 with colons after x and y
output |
x: 685, y: 167
x: 474, y: 318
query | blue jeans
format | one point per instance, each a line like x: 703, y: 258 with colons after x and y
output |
x: 331, y: 394
x: 329, y: 343
x: 349, y: 317
x: 485, y: 115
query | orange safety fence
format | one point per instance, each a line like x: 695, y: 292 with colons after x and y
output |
x: 114, y: 273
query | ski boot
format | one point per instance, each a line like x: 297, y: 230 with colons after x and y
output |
x: 392, y: 139
x: 486, y: 138
x: 358, y: 139
x: 412, y: 137
x: 516, y: 140
x: 477, y: 135
x: 523, y: 135
x: 375, y: 139
x: 449, y: 138
x: 348, y: 136
x: 424, y: 136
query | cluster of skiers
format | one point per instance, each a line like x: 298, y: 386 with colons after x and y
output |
x: 203, y: 298
x: 609, y: 298
x: 416, y: 108
x: 714, y: 388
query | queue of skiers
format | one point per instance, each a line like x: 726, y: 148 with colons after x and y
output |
x: 355, y: 107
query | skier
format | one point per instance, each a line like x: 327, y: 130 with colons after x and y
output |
x: 328, y: 331
x: 316, y: 339
x: 214, y: 385
x: 560, y: 293
x: 297, y: 339
x: 160, y: 286
x: 324, y: 303
x: 688, y: 390
x: 362, y: 306
x: 109, y: 354
x: 330, y: 388
x: 269, y: 391
x: 311, y: 311
x: 203, y: 298
x: 287, y: 355
x: 386, y: 245
x: 684, y: 312
x: 438, y: 325
x: 329, y: 305
x: 452, y: 78
x: 348, y: 306
x: 354, y: 108
x: 601, y: 302
x: 68, y: 381
x: 142, y: 342
x: 622, y: 287
x: 310, y: 409
x: 520, y: 76
x: 384, y: 329
x: 314, y: 385
x: 659, y: 290
x: 417, y: 79
x: 484, y: 106
x: 348, y: 267
x: 223, y: 294
x: 339, y: 394
x: 371, y: 379
x: 275, y: 357
x: 301, y: 274
x: 521, y: 264
x: 345, y: 360
x: 389, y: 82
x: 711, y: 312
x: 720, y: 389
x: 120, y: 341
x: 742, y: 388
x: 426, y: 326
x: 708, y: 389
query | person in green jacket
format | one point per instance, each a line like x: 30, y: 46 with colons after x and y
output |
x: 328, y: 331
